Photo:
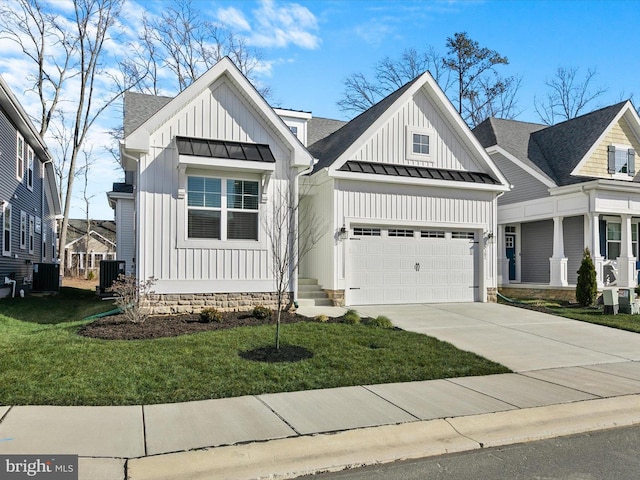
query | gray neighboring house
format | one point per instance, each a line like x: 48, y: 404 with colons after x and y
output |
x: 575, y: 185
x: 29, y: 200
x: 83, y: 252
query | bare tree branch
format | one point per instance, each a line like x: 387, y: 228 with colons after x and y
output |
x: 568, y: 96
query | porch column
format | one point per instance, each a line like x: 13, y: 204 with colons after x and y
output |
x: 503, y: 261
x: 558, y: 261
x: 626, y: 262
x: 593, y: 243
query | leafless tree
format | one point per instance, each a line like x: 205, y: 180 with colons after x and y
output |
x: 390, y: 74
x: 180, y: 41
x: 467, y: 74
x: 479, y: 88
x: 42, y: 38
x: 77, y: 42
x: 568, y: 95
x: 84, y: 171
x: 292, y: 231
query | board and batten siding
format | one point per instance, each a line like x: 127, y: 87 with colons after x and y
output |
x: 125, y: 237
x: 525, y: 186
x: 317, y: 263
x: 218, y: 112
x: 573, y: 234
x: 388, y: 144
x: 414, y: 206
x: 620, y: 134
x: 537, y: 247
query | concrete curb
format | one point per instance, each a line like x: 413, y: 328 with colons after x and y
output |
x: 292, y: 457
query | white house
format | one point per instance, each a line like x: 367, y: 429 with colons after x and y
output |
x: 405, y: 192
x: 204, y: 166
x: 409, y: 196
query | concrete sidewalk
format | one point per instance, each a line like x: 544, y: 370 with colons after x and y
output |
x: 288, y: 434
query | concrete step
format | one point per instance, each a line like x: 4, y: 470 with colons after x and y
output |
x: 312, y: 294
x: 314, y: 302
x: 307, y: 281
x: 309, y: 288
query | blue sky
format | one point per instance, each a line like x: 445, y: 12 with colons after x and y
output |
x: 310, y: 47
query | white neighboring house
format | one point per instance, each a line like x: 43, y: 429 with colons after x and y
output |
x: 203, y: 168
x: 405, y: 191
x: 410, y: 197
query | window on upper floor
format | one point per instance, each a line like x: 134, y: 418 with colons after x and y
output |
x: 222, y: 208
x: 30, y: 159
x: 20, y: 158
x: 419, y: 143
x: 621, y: 161
x: 6, y: 229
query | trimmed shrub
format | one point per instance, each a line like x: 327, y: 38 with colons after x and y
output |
x: 261, y: 312
x: 587, y: 286
x: 321, y: 318
x: 380, y: 322
x: 351, y: 317
x: 209, y: 315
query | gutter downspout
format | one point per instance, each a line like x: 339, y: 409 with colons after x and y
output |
x: 136, y: 261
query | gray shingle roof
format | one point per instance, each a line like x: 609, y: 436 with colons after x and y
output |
x: 330, y: 148
x: 140, y: 107
x: 555, y: 150
x: 319, y: 128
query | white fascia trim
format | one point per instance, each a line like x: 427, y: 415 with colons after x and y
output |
x: 599, y: 184
x: 92, y: 232
x: 627, y: 108
x: 225, y: 164
x: 138, y: 140
x: 515, y: 160
x: 369, y: 177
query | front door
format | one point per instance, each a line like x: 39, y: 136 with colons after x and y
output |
x: 510, y: 243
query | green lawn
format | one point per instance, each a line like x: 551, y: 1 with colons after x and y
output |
x: 44, y: 361
x: 593, y: 314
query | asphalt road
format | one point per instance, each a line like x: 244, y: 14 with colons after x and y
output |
x: 604, y: 455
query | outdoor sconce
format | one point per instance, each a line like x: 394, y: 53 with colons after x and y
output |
x: 343, y: 232
x: 490, y: 237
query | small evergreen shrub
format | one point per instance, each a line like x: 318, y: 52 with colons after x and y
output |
x: 209, y: 315
x: 261, y: 312
x: 351, y: 317
x: 321, y: 318
x: 91, y: 275
x: 380, y: 322
x: 587, y: 286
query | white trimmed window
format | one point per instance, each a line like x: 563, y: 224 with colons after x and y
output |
x: 32, y: 223
x: 29, y: 168
x: 6, y: 230
x: 222, y: 209
x: 20, y: 158
x: 419, y: 143
x: 23, y: 230
x: 614, y: 240
x: 621, y: 161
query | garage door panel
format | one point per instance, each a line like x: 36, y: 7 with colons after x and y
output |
x: 412, y: 270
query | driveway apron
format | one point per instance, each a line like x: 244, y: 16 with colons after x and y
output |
x: 522, y: 340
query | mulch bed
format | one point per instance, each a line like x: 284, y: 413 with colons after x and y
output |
x: 116, y: 327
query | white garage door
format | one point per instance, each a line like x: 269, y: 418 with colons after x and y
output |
x: 412, y: 266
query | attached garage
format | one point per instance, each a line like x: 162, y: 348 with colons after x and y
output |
x: 401, y: 265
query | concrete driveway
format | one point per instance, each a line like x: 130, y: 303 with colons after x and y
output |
x: 522, y: 340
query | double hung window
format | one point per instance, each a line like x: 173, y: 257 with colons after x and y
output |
x: 222, y: 208
x: 6, y: 229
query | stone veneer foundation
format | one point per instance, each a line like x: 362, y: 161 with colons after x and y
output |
x: 225, y: 302
x: 336, y: 296
x: 567, y: 294
x: 492, y: 295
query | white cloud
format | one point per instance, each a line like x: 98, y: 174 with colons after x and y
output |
x: 234, y: 18
x: 283, y: 24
